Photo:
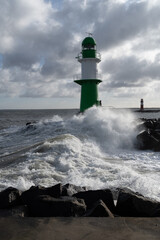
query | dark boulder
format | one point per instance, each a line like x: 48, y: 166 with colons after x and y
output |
x: 156, y: 135
x: 116, y: 191
x: 147, y: 140
x: 28, y: 123
x: 149, y: 123
x: 17, y: 211
x: 29, y: 195
x: 99, y: 209
x: 10, y: 197
x: 130, y: 204
x: 92, y: 196
x: 31, y: 125
x: 54, y: 191
x: 70, y: 189
x: 47, y: 206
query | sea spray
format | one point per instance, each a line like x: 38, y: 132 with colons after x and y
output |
x: 110, y: 129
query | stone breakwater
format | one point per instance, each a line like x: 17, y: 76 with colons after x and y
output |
x: 149, y: 137
x: 73, y: 201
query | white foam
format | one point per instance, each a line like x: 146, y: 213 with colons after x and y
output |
x: 110, y: 129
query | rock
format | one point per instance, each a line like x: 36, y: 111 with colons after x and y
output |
x: 149, y: 124
x: 92, y: 196
x: 28, y: 123
x: 70, y: 189
x: 31, y: 125
x: 130, y: 204
x: 115, y: 192
x: 54, y: 191
x: 18, y: 211
x: 149, y: 138
x: 47, y: 206
x: 146, y: 140
x: 10, y: 197
x: 99, y: 210
x: 29, y: 195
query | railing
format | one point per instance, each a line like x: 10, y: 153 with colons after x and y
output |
x: 98, y: 56
x: 79, y: 77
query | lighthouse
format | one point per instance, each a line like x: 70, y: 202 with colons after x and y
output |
x: 89, y: 58
x: 141, y: 105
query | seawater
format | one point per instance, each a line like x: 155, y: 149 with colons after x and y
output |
x: 96, y: 149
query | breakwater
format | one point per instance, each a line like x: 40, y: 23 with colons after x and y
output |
x: 73, y: 201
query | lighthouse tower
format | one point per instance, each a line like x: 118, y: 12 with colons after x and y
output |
x: 141, y: 105
x: 89, y: 74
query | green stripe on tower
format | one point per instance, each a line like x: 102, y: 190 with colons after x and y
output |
x: 89, y: 93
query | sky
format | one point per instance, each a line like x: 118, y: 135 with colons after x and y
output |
x: 40, y: 40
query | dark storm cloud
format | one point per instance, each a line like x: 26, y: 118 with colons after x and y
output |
x: 19, y: 59
x: 121, y: 23
x: 130, y: 72
x: 39, y: 44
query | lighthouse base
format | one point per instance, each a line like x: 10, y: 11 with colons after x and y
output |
x: 89, y: 93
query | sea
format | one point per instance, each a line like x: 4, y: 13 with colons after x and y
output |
x: 96, y: 149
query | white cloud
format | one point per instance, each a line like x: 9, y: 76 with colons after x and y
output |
x: 40, y: 40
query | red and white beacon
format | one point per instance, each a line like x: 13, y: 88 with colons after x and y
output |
x: 141, y: 105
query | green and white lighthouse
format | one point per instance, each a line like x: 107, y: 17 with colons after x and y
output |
x: 89, y: 74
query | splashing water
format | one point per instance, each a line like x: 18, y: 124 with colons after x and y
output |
x: 109, y: 129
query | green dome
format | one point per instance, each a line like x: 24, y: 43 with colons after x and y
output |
x: 88, y: 41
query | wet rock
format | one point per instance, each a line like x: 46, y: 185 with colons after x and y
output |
x: 116, y: 191
x: 70, y: 189
x: 10, y: 197
x: 29, y: 195
x: 31, y: 125
x: 47, y: 206
x: 130, y: 204
x: 28, y: 123
x: 99, y: 209
x: 149, y: 124
x: 148, y: 140
x: 54, y: 191
x: 18, y: 211
x: 92, y: 196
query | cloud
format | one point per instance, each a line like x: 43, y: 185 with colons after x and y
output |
x: 121, y: 23
x: 40, y: 40
x: 130, y: 72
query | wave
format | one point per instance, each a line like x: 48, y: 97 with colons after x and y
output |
x: 95, y: 149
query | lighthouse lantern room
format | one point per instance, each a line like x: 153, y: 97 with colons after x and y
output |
x: 89, y: 74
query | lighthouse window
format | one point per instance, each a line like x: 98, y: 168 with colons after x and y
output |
x: 88, y: 47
